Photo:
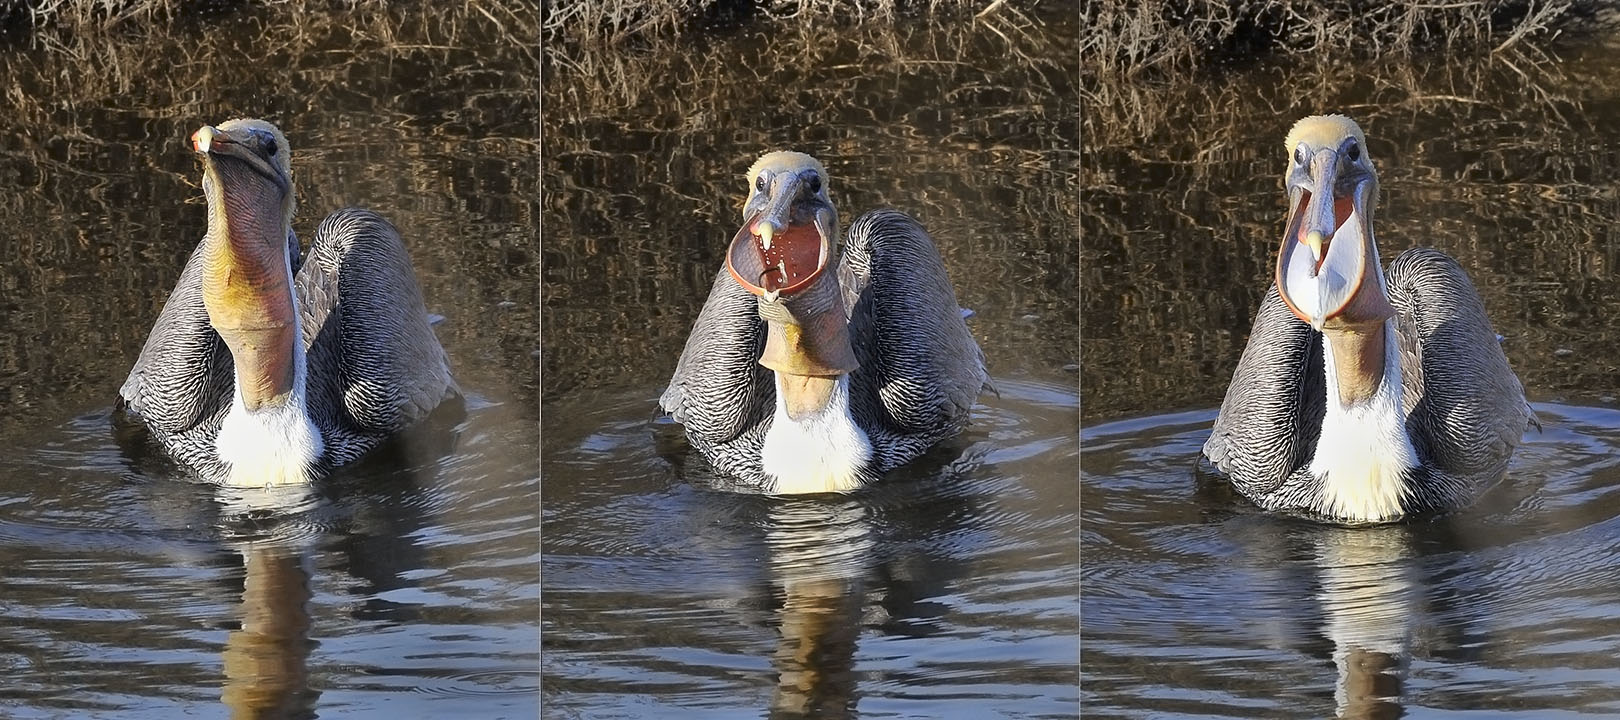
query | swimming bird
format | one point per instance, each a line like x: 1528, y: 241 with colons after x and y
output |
x: 811, y: 369
x: 1363, y: 395
x: 266, y: 367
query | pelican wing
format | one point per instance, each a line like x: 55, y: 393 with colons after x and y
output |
x: 917, y: 356
x: 1272, y: 414
x: 183, y: 375
x: 1466, y: 409
x: 372, y: 353
x: 719, y: 388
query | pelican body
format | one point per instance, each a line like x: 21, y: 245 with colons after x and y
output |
x: 1363, y: 395
x: 266, y: 367
x: 812, y: 370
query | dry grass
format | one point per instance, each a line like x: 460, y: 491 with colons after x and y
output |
x: 64, y: 19
x: 615, y: 21
x: 1137, y: 53
x: 1134, y: 36
x: 586, y: 80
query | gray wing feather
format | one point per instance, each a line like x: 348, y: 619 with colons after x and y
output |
x: 917, y: 356
x: 719, y: 389
x: 372, y: 353
x: 1468, y: 410
x: 183, y: 375
x: 1272, y: 414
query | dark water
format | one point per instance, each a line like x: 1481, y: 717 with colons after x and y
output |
x: 406, y: 586
x: 1196, y: 605
x: 948, y: 590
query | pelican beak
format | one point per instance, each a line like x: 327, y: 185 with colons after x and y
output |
x: 203, y: 138
x: 781, y: 255
x: 772, y: 256
x: 1327, y: 254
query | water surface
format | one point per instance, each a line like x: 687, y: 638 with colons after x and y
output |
x: 407, y: 584
x: 1196, y: 604
x: 946, y: 591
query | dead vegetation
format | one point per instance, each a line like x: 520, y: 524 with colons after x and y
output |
x: 99, y: 17
x: 1136, y: 36
x: 615, y: 21
x: 1138, y: 54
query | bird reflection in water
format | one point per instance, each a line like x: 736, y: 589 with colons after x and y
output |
x: 819, y: 555
x: 266, y: 658
x: 840, y: 563
x: 365, y: 519
x: 878, y: 560
x: 1368, y: 592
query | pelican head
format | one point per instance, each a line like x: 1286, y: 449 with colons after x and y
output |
x: 787, y: 242
x: 1328, y: 259
x: 243, y: 145
x: 790, y: 228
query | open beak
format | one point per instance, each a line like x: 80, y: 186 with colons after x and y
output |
x: 1327, y: 248
x: 772, y: 258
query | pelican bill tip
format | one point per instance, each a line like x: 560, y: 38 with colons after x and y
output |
x: 203, y: 139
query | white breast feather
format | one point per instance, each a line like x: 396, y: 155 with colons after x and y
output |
x: 821, y: 453
x: 274, y: 445
x: 270, y: 446
x: 1364, y: 453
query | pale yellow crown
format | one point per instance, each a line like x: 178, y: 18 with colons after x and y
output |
x: 1321, y: 131
x: 785, y: 160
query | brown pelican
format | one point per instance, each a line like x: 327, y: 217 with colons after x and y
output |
x: 264, y: 367
x: 1363, y: 396
x: 802, y: 380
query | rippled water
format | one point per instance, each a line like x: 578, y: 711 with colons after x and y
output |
x: 1197, y: 605
x: 406, y: 586
x: 947, y: 590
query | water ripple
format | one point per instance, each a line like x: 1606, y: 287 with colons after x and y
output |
x: 1515, y: 590
x: 665, y: 591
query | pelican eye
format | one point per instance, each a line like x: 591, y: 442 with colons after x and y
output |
x: 1354, y: 152
x: 759, y: 182
x: 267, y: 141
x: 815, y: 183
x: 1301, y: 155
